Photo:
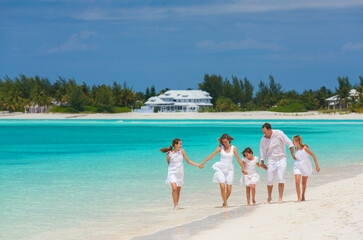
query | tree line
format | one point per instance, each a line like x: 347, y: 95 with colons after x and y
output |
x: 21, y: 93
x: 237, y: 95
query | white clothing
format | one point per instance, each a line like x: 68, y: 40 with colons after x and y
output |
x: 175, y: 169
x: 276, y: 168
x: 224, y: 169
x: 273, y: 149
x: 252, y: 177
x: 250, y: 165
x: 302, y: 165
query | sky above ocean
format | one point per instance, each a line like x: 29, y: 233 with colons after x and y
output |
x: 303, y: 44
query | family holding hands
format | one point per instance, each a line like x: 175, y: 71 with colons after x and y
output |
x: 272, y: 150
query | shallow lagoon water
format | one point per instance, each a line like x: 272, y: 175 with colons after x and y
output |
x: 87, y: 179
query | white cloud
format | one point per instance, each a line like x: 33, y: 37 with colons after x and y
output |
x: 229, y: 7
x: 75, y: 43
x: 350, y: 46
x: 91, y: 14
x: 248, y: 44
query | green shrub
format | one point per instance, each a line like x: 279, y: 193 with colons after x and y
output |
x: 293, y: 106
x: 120, y: 109
x: 207, y: 109
x: 92, y: 109
x: 58, y: 109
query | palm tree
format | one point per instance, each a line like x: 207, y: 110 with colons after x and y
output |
x: 127, y: 95
x: 343, y: 90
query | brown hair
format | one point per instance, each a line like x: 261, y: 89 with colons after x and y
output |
x: 175, y: 142
x: 247, y: 150
x: 266, y: 125
x: 298, y: 138
x: 225, y: 136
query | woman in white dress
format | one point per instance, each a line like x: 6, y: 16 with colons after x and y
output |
x: 302, y: 166
x: 175, y: 169
x: 250, y: 180
x: 224, y: 169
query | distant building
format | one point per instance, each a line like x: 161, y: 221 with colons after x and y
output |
x: 335, y: 102
x: 178, y: 101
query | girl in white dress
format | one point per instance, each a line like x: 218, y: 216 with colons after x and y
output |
x: 224, y: 169
x: 175, y: 169
x: 250, y: 162
x: 302, y: 166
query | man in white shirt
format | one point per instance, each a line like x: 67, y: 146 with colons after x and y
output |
x: 272, y: 149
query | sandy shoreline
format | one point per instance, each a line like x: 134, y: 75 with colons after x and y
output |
x: 179, y: 115
x: 332, y: 211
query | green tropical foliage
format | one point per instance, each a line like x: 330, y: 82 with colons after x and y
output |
x: 271, y: 95
x: 233, y: 94
x: 22, y: 92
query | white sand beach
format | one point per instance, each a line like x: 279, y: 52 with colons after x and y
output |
x: 334, y: 211
x: 265, y: 115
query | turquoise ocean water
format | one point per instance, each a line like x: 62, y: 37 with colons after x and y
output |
x: 92, y: 179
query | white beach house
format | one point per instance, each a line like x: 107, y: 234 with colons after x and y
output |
x: 335, y: 102
x: 178, y: 101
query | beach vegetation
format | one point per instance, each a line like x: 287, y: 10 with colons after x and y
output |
x: 288, y: 105
x: 225, y: 104
x: 65, y: 96
x: 344, y: 89
x: 207, y: 109
x: 37, y: 93
x: 59, y: 109
x: 91, y: 109
x: 120, y: 110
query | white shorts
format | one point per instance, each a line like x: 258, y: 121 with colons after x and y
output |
x: 276, y: 168
x: 247, y: 180
x: 223, y: 173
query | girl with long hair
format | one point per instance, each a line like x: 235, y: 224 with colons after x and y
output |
x: 302, y: 166
x: 174, y: 157
x: 224, y: 169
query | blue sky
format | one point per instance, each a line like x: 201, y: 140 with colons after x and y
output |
x: 303, y: 44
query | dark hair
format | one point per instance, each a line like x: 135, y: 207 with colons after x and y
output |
x: 266, y: 125
x: 225, y: 136
x: 175, y: 142
x: 247, y: 150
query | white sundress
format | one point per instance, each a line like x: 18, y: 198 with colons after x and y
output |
x: 302, y: 165
x: 175, y: 169
x: 252, y: 177
x: 224, y: 169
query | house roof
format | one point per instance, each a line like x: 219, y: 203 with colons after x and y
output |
x: 155, y: 100
x: 186, y: 94
x: 352, y: 93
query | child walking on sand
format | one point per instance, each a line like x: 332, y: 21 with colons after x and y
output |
x: 176, y: 170
x: 250, y: 162
x: 302, y: 166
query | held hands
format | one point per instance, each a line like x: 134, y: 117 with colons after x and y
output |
x: 264, y: 166
x: 201, y: 165
x: 244, y: 172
